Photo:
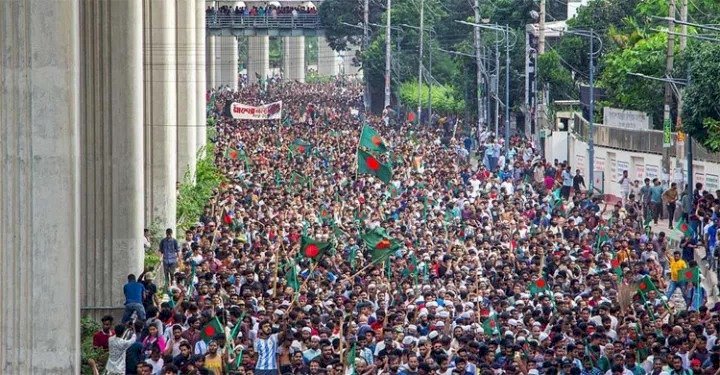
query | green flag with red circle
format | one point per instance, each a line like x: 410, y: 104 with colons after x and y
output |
x: 691, y: 274
x: 684, y: 227
x: 371, y: 140
x: 212, y: 328
x: 369, y: 164
x: 646, y: 285
x: 300, y: 146
x: 538, y: 286
x: 313, y: 249
x: 380, y: 244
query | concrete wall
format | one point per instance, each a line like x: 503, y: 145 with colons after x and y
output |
x: 638, y: 164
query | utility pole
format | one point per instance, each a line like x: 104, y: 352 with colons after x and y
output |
x: 420, y: 64
x: 366, y: 43
x: 430, y: 84
x: 496, y: 84
x: 388, y: 54
x: 540, y: 99
x: 679, y: 123
x: 667, y: 126
x: 591, y: 113
x: 507, y: 93
x: 479, y: 66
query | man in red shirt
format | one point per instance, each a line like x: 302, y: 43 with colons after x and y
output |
x: 101, y: 337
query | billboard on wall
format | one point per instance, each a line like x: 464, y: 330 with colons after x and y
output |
x: 622, y: 118
x: 269, y: 111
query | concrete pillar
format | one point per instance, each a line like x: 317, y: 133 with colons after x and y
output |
x: 210, y: 69
x: 186, y: 89
x: 160, y: 113
x: 200, y: 50
x: 39, y: 187
x: 227, y: 53
x: 111, y: 73
x: 294, y: 58
x: 348, y: 65
x: 327, y: 58
x: 258, y: 57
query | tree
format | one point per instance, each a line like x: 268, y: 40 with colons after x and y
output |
x: 646, y: 56
x: 701, y: 110
x: 556, y: 76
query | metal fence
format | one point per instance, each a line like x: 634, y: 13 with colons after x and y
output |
x: 281, y: 21
x: 648, y: 141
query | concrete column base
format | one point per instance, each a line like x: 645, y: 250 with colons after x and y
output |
x: 40, y: 165
x: 227, y: 61
x: 294, y: 58
x: 328, y: 59
x: 258, y: 58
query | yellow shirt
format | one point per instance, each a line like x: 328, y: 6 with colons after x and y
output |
x: 214, y: 364
x: 675, y: 267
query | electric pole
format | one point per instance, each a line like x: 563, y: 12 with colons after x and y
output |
x: 420, y: 64
x: 679, y: 123
x: 667, y: 125
x: 388, y: 54
x: 479, y: 66
x: 496, y: 83
x: 540, y: 99
x: 366, y: 43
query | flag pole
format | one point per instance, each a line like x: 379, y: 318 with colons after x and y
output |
x: 277, y: 265
x: 364, y: 268
x: 312, y: 269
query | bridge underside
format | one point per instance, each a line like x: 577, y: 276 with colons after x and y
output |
x: 253, y: 31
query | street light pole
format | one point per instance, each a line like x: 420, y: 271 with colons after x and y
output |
x: 422, y: 25
x: 388, y: 54
x: 496, y: 84
x: 591, y: 125
x: 507, y: 93
x: 479, y: 70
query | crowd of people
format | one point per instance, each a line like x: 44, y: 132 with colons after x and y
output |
x: 258, y: 10
x: 503, y: 264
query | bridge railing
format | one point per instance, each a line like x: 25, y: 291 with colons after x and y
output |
x: 280, y: 21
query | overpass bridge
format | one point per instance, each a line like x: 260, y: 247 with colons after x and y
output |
x: 225, y: 31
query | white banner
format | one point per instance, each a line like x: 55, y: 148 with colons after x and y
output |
x: 270, y: 111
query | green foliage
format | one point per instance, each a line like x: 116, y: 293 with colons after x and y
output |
x: 444, y: 98
x: 88, y: 327
x: 194, y: 195
x: 314, y: 77
x: 311, y: 49
x: 646, y: 56
x: 275, y: 52
x: 701, y: 111
x: 559, y: 78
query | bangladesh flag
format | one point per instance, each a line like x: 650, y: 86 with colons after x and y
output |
x: 301, y: 147
x: 371, y: 140
x: 380, y: 244
x: 538, y: 286
x: 616, y: 267
x: 313, y: 249
x: 292, y: 276
x: 689, y: 275
x: 684, y: 227
x: 490, y: 325
x: 232, y: 154
x: 212, y: 328
x: 646, y: 285
x: 369, y: 164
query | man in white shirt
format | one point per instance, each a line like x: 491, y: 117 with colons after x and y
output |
x: 117, y: 345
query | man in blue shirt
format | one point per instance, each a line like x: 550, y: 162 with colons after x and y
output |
x: 170, y: 250
x: 656, y: 200
x: 567, y: 179
x: 134, y: 293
